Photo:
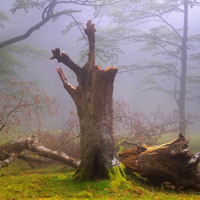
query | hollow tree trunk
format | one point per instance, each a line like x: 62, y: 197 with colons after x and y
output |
x: 171, y: 162
x: 93, y: 99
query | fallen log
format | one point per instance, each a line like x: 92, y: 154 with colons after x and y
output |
x: 31, y: 158
x: 171, y: 162
x: 12, y: 150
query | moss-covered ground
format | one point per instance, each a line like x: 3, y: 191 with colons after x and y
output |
x: 55, y: 182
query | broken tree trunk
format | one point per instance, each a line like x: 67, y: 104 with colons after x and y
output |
x: 171, y: 162
x: 12, y: 150
x: 93, y: 98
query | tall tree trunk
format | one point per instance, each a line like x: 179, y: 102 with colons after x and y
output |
x: 182, y: 94
x: 94, y: 100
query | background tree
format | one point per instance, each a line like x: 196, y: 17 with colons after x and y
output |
x: 152, y: 24
x: 22, y: 104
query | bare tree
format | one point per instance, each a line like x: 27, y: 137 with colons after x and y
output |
x: 173, y: 53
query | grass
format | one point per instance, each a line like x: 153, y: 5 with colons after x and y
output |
x: 55, y: 183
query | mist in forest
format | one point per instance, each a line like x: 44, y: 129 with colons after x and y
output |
x: 128, y: 83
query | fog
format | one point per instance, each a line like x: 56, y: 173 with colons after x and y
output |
x: 127, y: 84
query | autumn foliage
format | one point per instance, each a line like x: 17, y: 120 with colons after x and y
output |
x: 130, y: 128
x: 139, y: 127
x: 23, y: 104
x: 66, y: 139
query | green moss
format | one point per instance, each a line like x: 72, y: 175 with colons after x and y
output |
x: 121, y: 148
x: 136, y: 177
x: 138, y: 190
x: 61, y: 177
x: 84, y: 194
x: 80, y: 175
x: 122, y: 170
x: 56, y: 185
x: 117, y: 176
x: 118, y: 143
x: 118, y: 181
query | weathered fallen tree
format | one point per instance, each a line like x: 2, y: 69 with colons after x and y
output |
x: 12, y: 150
x: 171, y: 162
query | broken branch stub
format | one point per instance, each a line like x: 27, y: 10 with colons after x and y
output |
x: 90, y: 32
x: 61, y: 56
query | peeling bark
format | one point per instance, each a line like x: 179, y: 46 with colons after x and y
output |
x: 171, y: 162
x: 13, y: 150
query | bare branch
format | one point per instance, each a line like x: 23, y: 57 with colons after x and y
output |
x: 70, y: 89
x: 48, y: 14
x: 78, y: 26
x: 65, y: 59
x: 35, y: 27
x: 167, y: 51
x: 2, y: 127
x: 89, y: 3
x: 177, y: 33
x: 159, y: 40
x: 67, y: 142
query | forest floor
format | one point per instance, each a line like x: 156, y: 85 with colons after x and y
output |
x: 55, y: 182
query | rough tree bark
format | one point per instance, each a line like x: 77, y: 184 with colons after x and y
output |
x: 93, y: 98
x: 171, y: 162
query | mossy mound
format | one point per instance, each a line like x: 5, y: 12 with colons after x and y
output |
x: 118, y: 178
x: 84, y: 194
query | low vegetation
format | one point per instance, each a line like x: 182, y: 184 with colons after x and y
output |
x: 57, y: 184
x: 55, y: 181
